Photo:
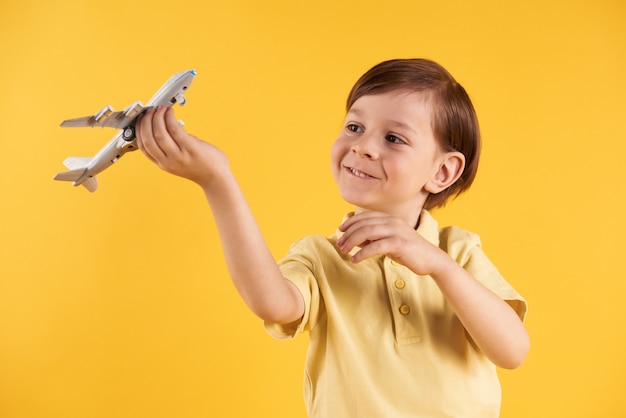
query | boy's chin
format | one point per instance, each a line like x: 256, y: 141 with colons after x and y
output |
x: 360, y: 206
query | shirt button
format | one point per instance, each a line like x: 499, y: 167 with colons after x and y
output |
x: 404, y: 309
x: 395, y: 263
x: 400, y: 284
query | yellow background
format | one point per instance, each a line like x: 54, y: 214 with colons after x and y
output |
x: 117, y: 304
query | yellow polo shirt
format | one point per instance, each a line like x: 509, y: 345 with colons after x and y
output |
x: 383, y: 340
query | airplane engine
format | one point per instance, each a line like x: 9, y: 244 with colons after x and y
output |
x: 180, y: 99
x: 103, y: 114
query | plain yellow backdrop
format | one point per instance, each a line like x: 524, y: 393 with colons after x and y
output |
x: 117, y: 303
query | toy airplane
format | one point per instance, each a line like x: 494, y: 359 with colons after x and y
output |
x: 83, y: 170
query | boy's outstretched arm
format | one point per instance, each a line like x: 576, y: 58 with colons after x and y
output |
x: 250, y: 263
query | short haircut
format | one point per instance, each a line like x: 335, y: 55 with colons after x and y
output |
x: 455, y: 124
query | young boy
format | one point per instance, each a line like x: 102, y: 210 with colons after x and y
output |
x: 406, y: 319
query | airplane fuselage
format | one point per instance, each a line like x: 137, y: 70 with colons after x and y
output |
x: 108, y: 155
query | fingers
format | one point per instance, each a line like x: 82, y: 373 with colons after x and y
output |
x: 363, y: 227
x: 175, y: 128
x: 375, y: 233
x: 361, y: 218
x: 364, y: 230
x: 166, y: 130
x: 145, y: 136
x: 370, y: 249
x: 156, y: 132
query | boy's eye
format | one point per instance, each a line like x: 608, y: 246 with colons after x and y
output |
x: 394, y: 139
x: 354, y: 127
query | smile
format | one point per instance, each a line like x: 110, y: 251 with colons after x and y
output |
x: 359, y: 174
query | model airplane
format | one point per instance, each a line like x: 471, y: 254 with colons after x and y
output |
x: 83, y: 170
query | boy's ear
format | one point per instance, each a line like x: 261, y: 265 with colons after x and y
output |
x: 450, y: 169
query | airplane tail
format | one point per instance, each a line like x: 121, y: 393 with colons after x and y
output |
x: 77, y: 166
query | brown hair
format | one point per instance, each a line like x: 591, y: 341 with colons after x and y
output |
x: 455, y: 124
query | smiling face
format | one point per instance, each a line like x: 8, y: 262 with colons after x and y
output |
x: 386, y: 158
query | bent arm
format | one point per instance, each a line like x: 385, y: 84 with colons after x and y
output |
x: 252, y: 268
x: 490, y: 321
x: 493, y: 325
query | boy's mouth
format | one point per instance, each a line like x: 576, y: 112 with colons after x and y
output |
x: 358, y: 173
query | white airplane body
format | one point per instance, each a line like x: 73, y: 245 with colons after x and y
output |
x: 83, y: 170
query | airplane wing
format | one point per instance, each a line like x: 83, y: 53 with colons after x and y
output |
x: 106, y: 117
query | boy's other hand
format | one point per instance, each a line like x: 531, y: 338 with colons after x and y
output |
x: 378, y: 233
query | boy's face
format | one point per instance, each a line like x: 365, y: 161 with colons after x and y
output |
x: 386, y: 155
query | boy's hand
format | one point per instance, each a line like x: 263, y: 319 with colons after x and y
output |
x: 166, y: 143
x: 378, y: 233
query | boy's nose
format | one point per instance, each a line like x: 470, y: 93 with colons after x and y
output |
x: 365, y: 147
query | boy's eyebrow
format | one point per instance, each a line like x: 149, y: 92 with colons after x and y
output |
x: 395, y: 123
x: 356, y: 111
x: 403, y: 125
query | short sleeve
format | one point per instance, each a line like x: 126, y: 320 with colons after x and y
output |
x: 466, y: 248
x: 298, y: 267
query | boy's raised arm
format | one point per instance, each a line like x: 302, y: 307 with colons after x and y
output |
x: 251, y: 265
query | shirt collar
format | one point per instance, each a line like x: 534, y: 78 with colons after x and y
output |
x: 428, y: 228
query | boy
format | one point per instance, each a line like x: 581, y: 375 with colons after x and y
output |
x: 405, y: 319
